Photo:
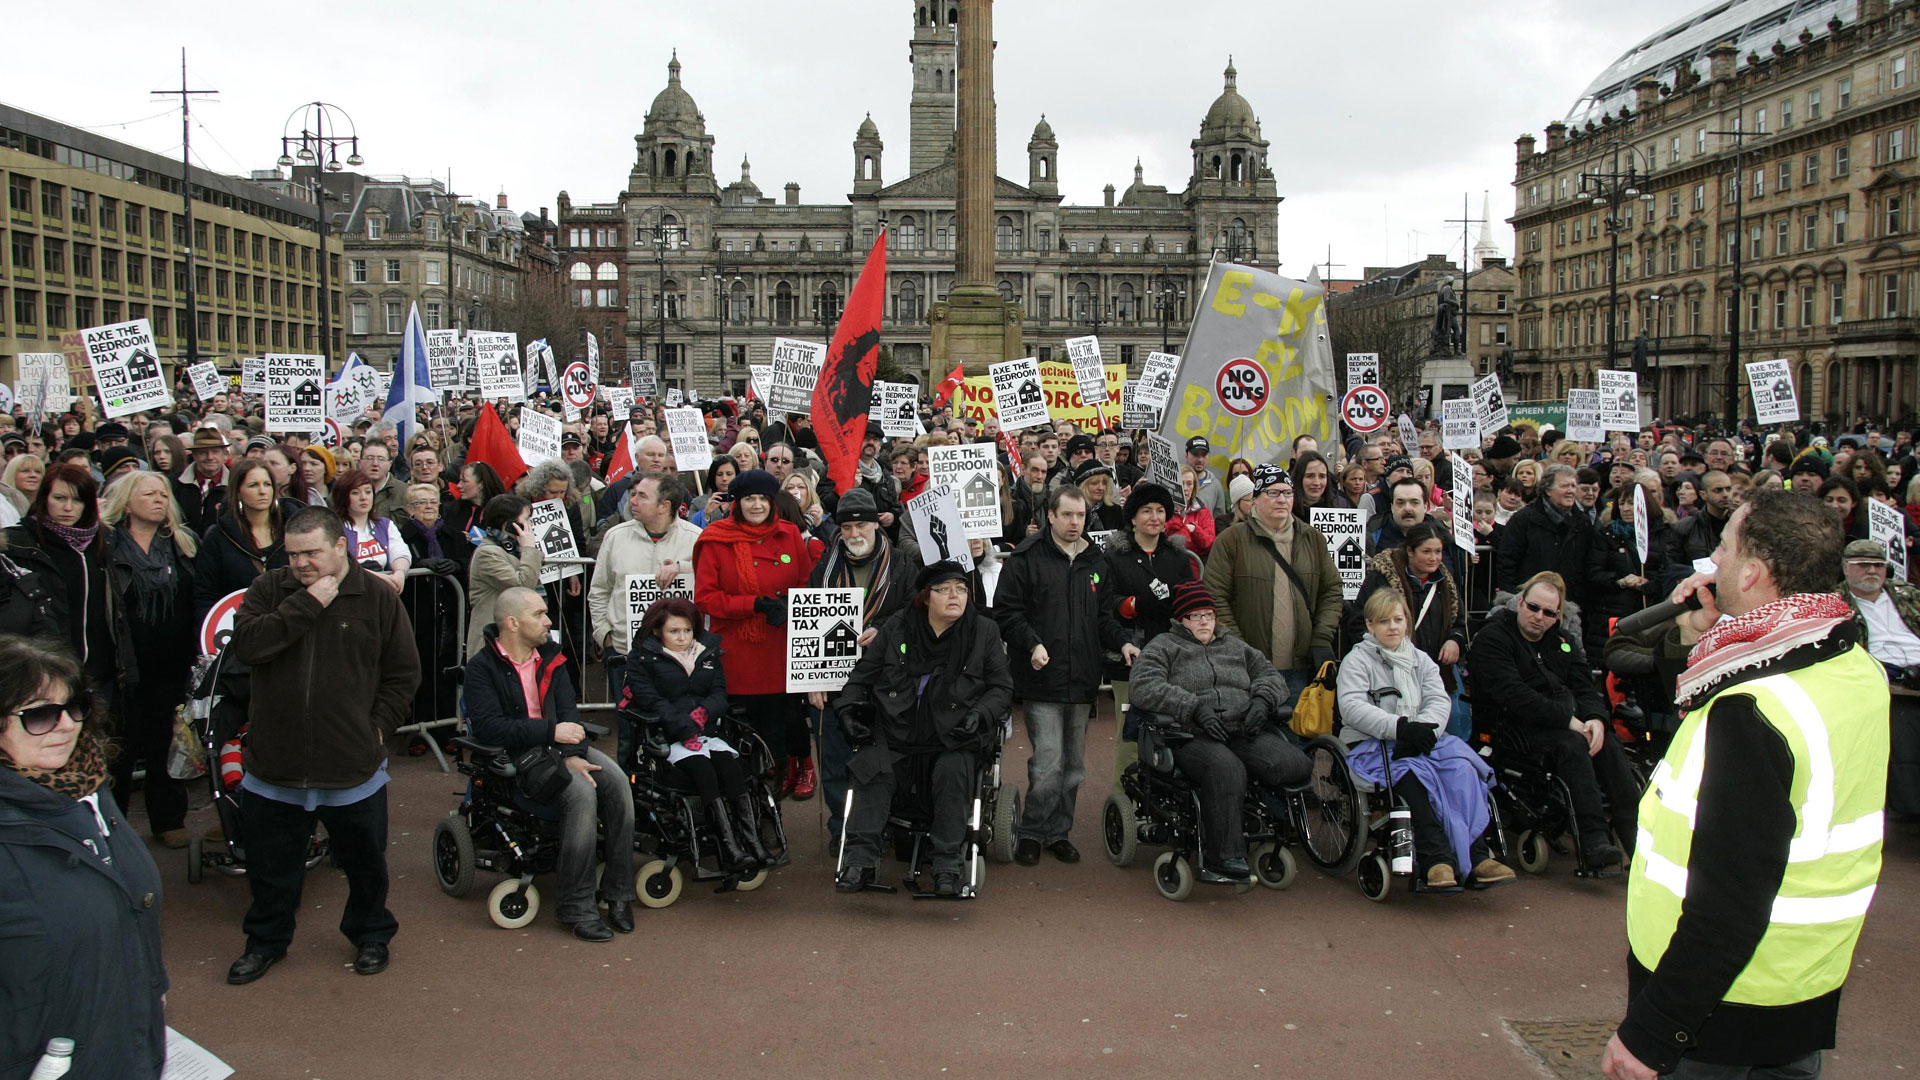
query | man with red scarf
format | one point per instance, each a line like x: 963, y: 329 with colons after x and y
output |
x: 1760, y: 832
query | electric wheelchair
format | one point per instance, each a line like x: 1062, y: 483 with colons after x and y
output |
x: 991, y: 819
x: 1159, y: 806
x: 670, y: 826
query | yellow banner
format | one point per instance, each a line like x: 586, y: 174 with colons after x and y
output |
x: 975, y: 396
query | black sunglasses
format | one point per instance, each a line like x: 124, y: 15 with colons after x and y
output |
x: 41, y: 719
x: 1551, y: 613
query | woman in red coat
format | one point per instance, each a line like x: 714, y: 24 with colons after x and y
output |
x: 743, y: 565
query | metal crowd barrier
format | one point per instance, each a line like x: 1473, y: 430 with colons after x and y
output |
x: 451, y: 713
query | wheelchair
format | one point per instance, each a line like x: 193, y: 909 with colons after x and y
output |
x: 497, y: 829
x: 990, y: 821
x: 670, y: 825
x: 1376, y: 873
x: 1538, y: 807
x: 1157, y: 805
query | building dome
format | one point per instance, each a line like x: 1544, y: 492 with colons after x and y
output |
x: 1043, y: 131
x: 1230, y: 113
x: 673, y: 107
x: 867, y: 129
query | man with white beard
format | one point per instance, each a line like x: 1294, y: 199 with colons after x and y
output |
x: 861, y: 558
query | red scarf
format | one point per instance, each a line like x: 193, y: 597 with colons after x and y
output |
x: 1756, y: 638
x: 744, y: 538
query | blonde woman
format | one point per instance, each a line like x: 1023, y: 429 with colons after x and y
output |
x: 1528, y: 473
x: 149, y: 557
x: 800, y: 486
x: 22, y: 478
x: 1568, y: 452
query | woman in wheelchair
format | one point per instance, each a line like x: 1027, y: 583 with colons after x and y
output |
x: 1226, y: 697
x: 1393, y: 710
x: 675, y: 681
x: 933, y: 683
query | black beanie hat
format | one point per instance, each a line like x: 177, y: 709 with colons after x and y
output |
x: 1147, y: 492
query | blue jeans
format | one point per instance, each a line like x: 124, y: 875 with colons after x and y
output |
x: 1807, y: 1068
x: 605, y: 800
x: 1058, y: 732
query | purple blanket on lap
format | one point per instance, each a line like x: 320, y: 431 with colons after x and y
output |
x: 1456, y: 780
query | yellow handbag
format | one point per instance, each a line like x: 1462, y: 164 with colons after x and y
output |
x: 1313, y: 713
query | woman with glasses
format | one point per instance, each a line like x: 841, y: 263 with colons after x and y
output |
x: 80, y: 897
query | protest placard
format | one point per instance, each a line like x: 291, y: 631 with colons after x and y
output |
x: 1346, y: 541
x: 1084, y: 354
x: 1888, y: 525
x: 646, y: 381
x: 1163, y: 463
x: 206, y: 380
x: 1363, y: 369
x: 687, y: 430
x: 446, y: 357
x: 796, y: 368
x: 1461, y: 507
x: 1459, y: 425
x: 674, y: 397
x: 576, y: 389
x: 641, y: 590
x: 936, y: 524
x: 593, y: 358
x: 968, y: 469
x: 1583, y: 416
x: 496, y: 356
x: 823, y: 638
x: 761, y: 378
x: 620, y: 401
x: 539, y: 436
x: 1016, y: 393
x: 1137, y: 413
x: 1156, y: 378
x: 1490, y: 404
x: 42, y: 386
x: 1409, y: 438
x: 356, y: 387
x: 538, y: 370
x: 548, y: 528
x: 126, y: 367
x: 897, y: 416
x: 1774, y: 400
x: 1619, y: 400
x: 253, y: 375
x: 296, y: 392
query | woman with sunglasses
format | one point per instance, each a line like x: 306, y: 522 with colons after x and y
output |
x: 80, y: 897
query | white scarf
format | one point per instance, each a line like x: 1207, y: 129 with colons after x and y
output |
x: 1403, y: 664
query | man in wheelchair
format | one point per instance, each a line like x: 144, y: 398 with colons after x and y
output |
x: 1226, y: 697
x: 933, y: 682
x: 518, y: 698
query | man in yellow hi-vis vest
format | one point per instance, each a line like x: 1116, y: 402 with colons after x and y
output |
x: 1759, y: 834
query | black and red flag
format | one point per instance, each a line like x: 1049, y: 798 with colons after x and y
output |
x: 844, y: 394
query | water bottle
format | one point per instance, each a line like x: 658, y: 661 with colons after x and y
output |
x: 1400, y: 839
x: 56, y: 1061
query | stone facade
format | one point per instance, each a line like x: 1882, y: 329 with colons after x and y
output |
x: 1406, y: 298
x: 687, y: 248
x: 1816, y: 196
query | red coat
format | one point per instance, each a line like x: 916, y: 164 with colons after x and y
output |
x: 1196, y: 525
x: 781, y: 561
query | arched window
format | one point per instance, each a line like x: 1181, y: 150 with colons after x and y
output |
x: 1237, y: 236
x: 1123, y: 302
x: 1239, y: 167
x: 783, y: 305
x: 1006, y: 291
x: 953, y: 16
x: 608, y: 272
x: 1082, y: 302
x: 1003, y: 239
x: 670, y: 296
x: 1046, y: 168
x: 670, y: 160
x: 908, y: 236
x: 580, y: 272
x: 671, y: 233
x: 907, y: 303
x: 828, y: 303
x: 689, y: 169
x: 867, y: 170
x: 923, y: 15
x: 1214, y: 172
x: 739, y: 304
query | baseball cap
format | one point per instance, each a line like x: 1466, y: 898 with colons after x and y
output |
x: 1199, y: 445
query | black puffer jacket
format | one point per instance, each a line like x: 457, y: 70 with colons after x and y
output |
x: 659, y: 686
x: 80, y: 590
x: 983, y: 681
x: 1533, y: 685
x: 228, y: 561
x: 497, y: 703
x: 1045, y: 598
x: 1148, y: 579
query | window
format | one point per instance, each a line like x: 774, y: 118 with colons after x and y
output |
x: 357, y: 318
x: 56, y: 311
x: 136, y: 269
x: 1699, y: 197
x: 1839, y: 225
x: 259, y: 247
x: 1753, y: 310
x: 1700, y: 141
x: 1836, y: 299
x: 1673, y: 256
x: 1756, y: 249
x: 1693, y: 315
x: 220, y: 239
x: 1003, y: 238
x: 26, y: 307
x: 53, y: 255
x: 20, y: 193
x: 1783, y: 236
x: 436, y: 316
x: 1843, y: 92
x: 358, y: 270
x: 907, y: 236
x: 82, y: 212
x: 376, y: 228
x: 1733, y: 246
x: 1698, y: 252
x: 393, y: 272
x: 260, y: 290
x: 396, y: 322
x: 1806, y: 305
x: 1809, y: 232
x: 1577, y: 234
x: 606, y: 271
x: 1842, y: 163
x: 1500, y: 333
x: 1760, y: 122
x: 1779, y: 309
x: 1561, y: 241
x: 1786, y: 177
x: 580, y: 271
x: 1889, y: 288
x: 1759, y: 183
x: 1813, y: 104
x: 22, y: 244
x: 1786, y: 113
x: 1899, y: 71
x: 1892, y: 219
x: 53, y: 201
x: 607, y: 298
x: 433, y: 234
x: 1673, y: 204
x: 433, y: 271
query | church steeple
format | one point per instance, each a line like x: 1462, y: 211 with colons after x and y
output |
x: 1486, y: 248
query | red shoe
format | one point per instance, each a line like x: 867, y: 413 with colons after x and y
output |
x: 805, y: 782
x: 788, y: 777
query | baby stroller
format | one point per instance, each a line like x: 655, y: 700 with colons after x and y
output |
x: 218, y: 710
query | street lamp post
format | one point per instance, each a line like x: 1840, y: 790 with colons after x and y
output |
x: 1171, y: 293
x: 1659, y: 301
x: 664, y: 234
x: 314, y: 145
x: 1611, y: 189
x: 725, y: 276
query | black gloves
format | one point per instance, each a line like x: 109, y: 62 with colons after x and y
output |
x: 1257, y: 716
x: 442, y: 567
x: 972, y: 724
x: 772, y: 608
x: 856, y: 722
x: 1320, y: 654
x: 1209, y: 719
x: 1413, y: 737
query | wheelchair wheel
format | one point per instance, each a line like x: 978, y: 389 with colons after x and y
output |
x: 657, y: 886
x: 1173, y: 875
x: 1533, y: 852
x: 1006, y: 817
x: 1376, y: 878
x: 196, y: 860
x: 1330, y: 810
x: 453, y: 856
x: 508, y: 908
x: 1119, y: 829
x: 749, y: 884
x: 1273, y: 865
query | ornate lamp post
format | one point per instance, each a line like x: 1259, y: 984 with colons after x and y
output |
x: 317, y: 146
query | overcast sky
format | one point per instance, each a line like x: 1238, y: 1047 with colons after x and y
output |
x: 1382, y: 114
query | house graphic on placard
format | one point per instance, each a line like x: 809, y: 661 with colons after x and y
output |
x: 1629, y: 401
x: 1351, y: 555
x: 1163, y: 381
x: 307, y: 395
x: 979, y: 493
x: 1028, y: 394
x: 142, y: 366
x: 840, y: 641
x: 906, y: 410
x: 554, y: 543
x: 1369, y: 377
x: 1782, y: 389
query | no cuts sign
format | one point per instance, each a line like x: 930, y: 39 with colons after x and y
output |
x: 1242, y: 387
x: 1365, y: 409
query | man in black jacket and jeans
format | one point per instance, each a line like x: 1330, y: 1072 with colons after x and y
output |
x: 1533, y: 691
x: 519, y: 697
x: 1055, y: 607
x: 334, y: 671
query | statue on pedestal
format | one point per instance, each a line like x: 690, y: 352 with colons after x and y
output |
x: 1449, y: 338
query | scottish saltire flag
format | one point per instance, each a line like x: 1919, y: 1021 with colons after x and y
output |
x: 411, y: 386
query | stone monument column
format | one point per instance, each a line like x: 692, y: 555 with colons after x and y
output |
x: 974, y: 327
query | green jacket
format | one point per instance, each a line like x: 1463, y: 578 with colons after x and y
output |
x: 1240, y: 575
x: 1906, y: 601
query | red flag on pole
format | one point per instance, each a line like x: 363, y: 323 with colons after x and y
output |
x: 844, y: 394
x: 621, y: 463
x: 492, y: 444
x: 944, y: 392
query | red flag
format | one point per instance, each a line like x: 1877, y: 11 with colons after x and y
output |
x: 621, y: 462
x: 844, y: 394
x: 944, y: 392
x: 493, y: 445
